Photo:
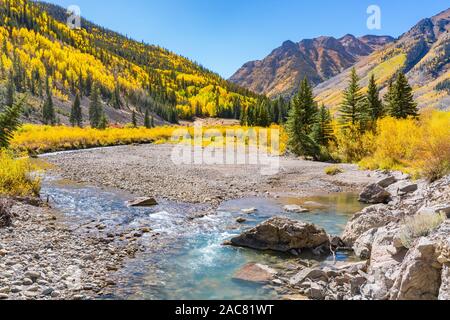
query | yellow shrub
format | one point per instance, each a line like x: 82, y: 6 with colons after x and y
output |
x: 433, y: 153
x: 40, y: 139
x: 15, y: 176
x: 333, y: 170
x: 351, y: 144
x: 420, y: 147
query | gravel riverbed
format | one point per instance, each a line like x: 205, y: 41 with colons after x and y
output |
x: 147, y: 170
x: 42, y: 258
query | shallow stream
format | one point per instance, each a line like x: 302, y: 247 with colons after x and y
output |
x: 190, y: 261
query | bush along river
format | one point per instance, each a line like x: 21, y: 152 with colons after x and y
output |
x: 183, y: 258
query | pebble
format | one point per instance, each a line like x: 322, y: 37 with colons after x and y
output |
x: 47, y: 291
x: 32, y: 275
x: 5, y: 290
x: 55, y: 294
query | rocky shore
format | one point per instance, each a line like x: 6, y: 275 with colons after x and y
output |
x: 41, y: 258
x: 402, y: 241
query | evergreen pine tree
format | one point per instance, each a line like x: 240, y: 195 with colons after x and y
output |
x: 147, y: 123
x: 117, y: 102
x: 323, y: 129
x: 301, y: 120
x: 152, y: 122
x: 103, y: 123
x: 133, y: 119
x: 352, y: 111
x: 389, y: 97
x: 95, y: 107
x: 10, y: 90
x: 76, y: 116
x: 48, y: 110
x: 402, y: 104
x: 9, y: 122
x: 304, y: 100
x: 244, y: 117
x: 263, y: 115
x: 374, y: 103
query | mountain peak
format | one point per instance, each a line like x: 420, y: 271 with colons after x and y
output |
x: 318, y: 58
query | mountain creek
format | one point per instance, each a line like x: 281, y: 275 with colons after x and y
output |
x: 187, y: 259
x: 84, y: 241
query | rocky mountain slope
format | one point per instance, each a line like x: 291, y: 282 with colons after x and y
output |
x: 319, y: 59
x: 423, y: 53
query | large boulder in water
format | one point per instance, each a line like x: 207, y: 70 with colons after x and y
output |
x: 282, y: 234
x: 374, y: 194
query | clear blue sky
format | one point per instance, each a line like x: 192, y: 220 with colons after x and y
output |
x: 224, y: 34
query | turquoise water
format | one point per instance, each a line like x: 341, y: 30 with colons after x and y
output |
x: 188, y: 260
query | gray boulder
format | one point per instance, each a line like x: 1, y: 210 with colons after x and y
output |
x: 282, y: 234
x: 419, y: 275
x: 374, y: 194
x: 369, y: 218
x: 402, y: 188
x: 386, y: 182
x: 308, y: 274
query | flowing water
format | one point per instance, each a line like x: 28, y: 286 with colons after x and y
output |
x: 189, y: 260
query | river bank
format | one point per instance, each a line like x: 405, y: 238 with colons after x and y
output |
x: 42, y: 257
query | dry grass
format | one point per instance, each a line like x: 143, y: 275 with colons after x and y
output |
x: 420, y: 225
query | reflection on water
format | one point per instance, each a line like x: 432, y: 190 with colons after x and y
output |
x: 190, y: 261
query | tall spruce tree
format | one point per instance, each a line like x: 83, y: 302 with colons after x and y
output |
x: 48, y: 110
x: 133, y: 119
x: 304, y: 100
x: 10, y: 90
x: 352, y: 111
x: 147, y: 123
x: 76, y: 116
x: 263, y: 118
x: 402, y: 104
x: 95, y: 107
x: 323, y: 129
x: 103, y: 124
x: 9, y: 122
x: 301, y: 120
x: 389, y: 97
x: 374, y: 103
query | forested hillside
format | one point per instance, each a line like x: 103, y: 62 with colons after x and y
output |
x: 37, y: 47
